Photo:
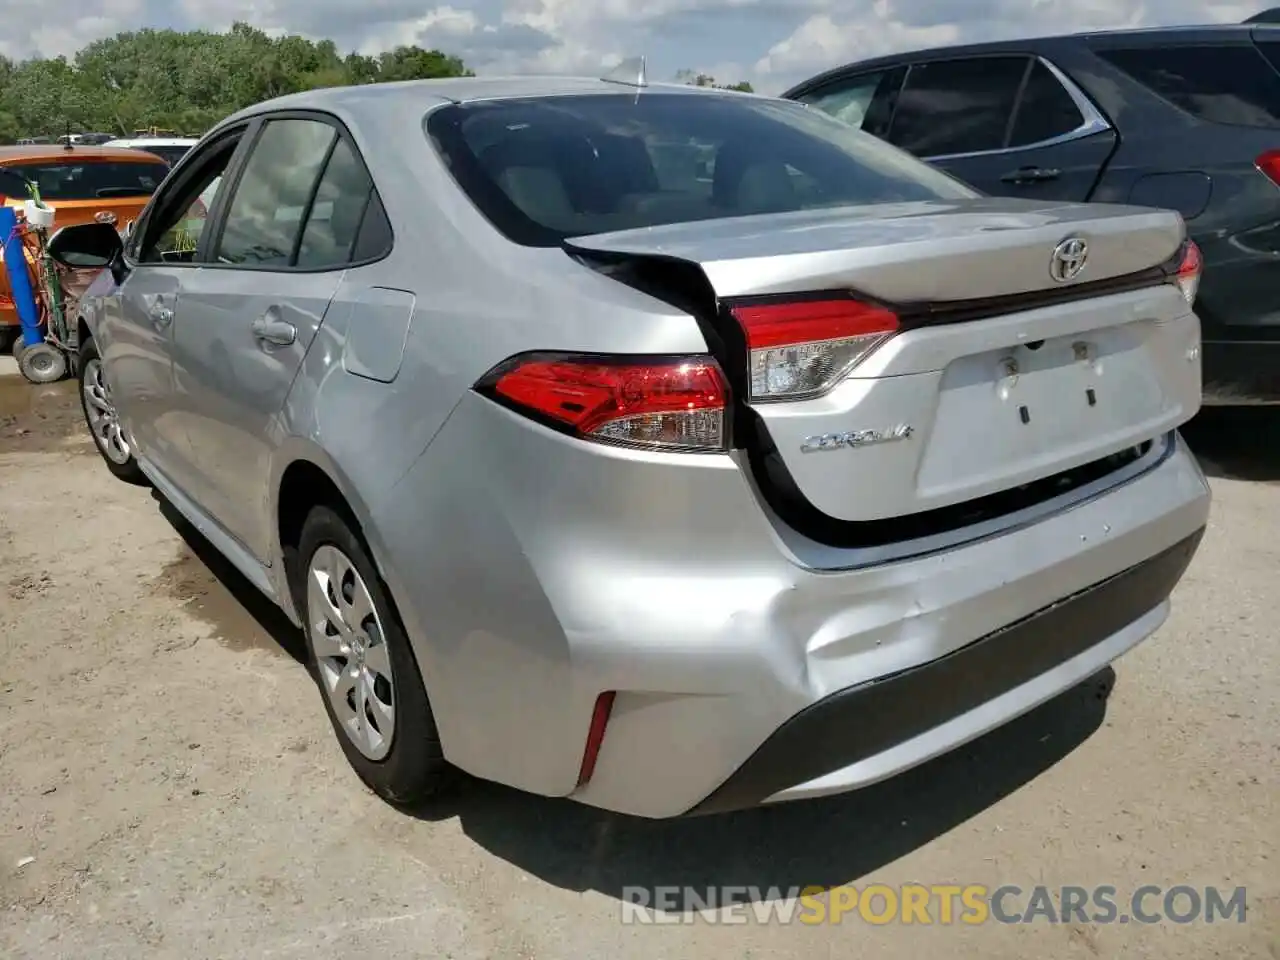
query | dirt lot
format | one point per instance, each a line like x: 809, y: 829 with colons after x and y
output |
x: 166, y: 761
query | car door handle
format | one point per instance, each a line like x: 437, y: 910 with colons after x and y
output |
x: 1031, y: 175
x: 274, y: 330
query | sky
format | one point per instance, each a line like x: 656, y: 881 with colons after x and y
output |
x: 771, y: 43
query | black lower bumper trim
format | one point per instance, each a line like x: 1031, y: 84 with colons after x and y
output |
x: 865, y: 720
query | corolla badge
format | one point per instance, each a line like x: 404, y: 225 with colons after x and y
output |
x: 1068, y: 259
x: 855, y: 438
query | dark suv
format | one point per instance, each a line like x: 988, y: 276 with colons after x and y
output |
x: 1186, y: 118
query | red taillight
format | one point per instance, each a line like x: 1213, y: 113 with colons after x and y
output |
x: 802, y: 348
x: 669, y: 404
x: 595, y: 735
x: 1269, y: 164
x: 1187, y: 277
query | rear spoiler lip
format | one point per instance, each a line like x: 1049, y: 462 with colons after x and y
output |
x: 925, y: 313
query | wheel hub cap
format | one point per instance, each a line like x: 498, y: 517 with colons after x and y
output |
x: 350, y: 652
x: 100, y: 411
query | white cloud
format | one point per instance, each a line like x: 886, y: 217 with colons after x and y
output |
x: 772, y: 43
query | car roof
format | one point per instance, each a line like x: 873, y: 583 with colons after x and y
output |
x: 135, y: 142
x: 1023, y: 43
x: 461, y: 90
x: 44, y: 152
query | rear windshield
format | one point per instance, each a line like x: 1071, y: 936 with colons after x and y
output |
x: 92, y: 180
x: 544, y: 169
x: 169, y: 154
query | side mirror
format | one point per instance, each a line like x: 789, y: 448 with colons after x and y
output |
x: 86, y: 245
x: 13, y: 185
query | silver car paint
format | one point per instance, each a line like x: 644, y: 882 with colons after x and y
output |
x: 532, y: 570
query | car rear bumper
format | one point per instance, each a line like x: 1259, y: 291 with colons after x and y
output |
x: 865, y: 733
x: 535, y: 572
x: 1241, y: 372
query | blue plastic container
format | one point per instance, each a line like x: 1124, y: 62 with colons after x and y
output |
x: 15, y: 264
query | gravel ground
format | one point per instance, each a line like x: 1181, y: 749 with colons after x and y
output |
x: 166, y: 761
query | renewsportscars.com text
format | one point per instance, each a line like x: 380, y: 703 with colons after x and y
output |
x: 928, y: 904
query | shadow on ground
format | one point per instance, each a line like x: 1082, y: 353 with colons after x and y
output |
x: 214, y: 591
x: 822, y: 842
x: 1238, y: 443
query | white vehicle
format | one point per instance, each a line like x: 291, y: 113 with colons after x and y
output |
x: 168, y: 149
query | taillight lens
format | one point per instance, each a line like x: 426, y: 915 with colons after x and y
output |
x: 801, y: 349
x: 1187, y: 277
x: 675, y: 404
x: 1269, y: 164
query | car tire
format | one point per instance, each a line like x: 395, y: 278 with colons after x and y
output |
x: 362, y: 662
x: 102, y: 420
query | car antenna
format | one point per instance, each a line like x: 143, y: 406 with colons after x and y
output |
x: 630, y: 72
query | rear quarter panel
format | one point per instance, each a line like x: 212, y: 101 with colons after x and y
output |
x: 477, y: 300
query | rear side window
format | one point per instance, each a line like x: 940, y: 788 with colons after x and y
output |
x: 340, y: 201
x: 544, y: 169
x: 957, y: 106
x: 1045, y: 111
x: 93, y: 180
x: 1230, y: 84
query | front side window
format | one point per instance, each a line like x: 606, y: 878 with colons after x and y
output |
x: 848, y: 101
x: 265, y: 213
x: 172, y: 227
x: 543, y: 169
x: 957, y: 106
x: 86, y: 179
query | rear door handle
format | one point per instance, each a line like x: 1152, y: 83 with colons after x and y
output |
x: 274, y: 330
x: 1031, y: 175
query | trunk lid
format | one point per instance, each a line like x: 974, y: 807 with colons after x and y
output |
x: 906, y: 253
x: 1000, y: 374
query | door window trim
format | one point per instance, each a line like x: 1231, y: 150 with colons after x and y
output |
x: 1094, y: 122
x: 212, y: 236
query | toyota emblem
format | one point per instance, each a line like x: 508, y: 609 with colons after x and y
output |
x: 1068, y: 259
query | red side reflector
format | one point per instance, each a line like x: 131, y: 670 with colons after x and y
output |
x: 807, y: 321
x: 595, y: 735
x: 1192, y: 261
x: 1269, y: 164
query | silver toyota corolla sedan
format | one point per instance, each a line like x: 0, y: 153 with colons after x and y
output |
x: 669, y: 449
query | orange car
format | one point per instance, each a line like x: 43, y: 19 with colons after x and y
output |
x: 82, y: 184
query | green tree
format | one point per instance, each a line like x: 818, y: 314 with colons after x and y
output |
x: 187, y: 80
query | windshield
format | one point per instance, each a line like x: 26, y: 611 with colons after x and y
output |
x: 169, y: 153
x: 544, y: 169
x: 92, y: 180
